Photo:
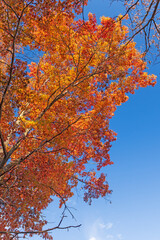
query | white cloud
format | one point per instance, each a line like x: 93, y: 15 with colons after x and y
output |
x: 99, y: 229
x: 106, y: 226
x: 109, y: 236
x: 109, y: 225
x: 92, y: 238
x: 102, y: 225
x: 119, y: 236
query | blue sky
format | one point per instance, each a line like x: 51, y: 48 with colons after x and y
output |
x: 135, y: 176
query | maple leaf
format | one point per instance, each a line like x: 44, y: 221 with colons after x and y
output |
x: 55, y: 110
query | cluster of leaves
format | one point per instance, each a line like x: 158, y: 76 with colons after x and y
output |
x: 55, y: 112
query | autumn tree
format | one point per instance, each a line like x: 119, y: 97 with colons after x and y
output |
x: 55, y: 110
x: 144, y: 20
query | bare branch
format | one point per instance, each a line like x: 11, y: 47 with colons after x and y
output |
x: 43, y: 231
x: 3, y: 144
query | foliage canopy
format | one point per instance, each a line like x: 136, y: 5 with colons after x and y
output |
x: 55, y: 111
